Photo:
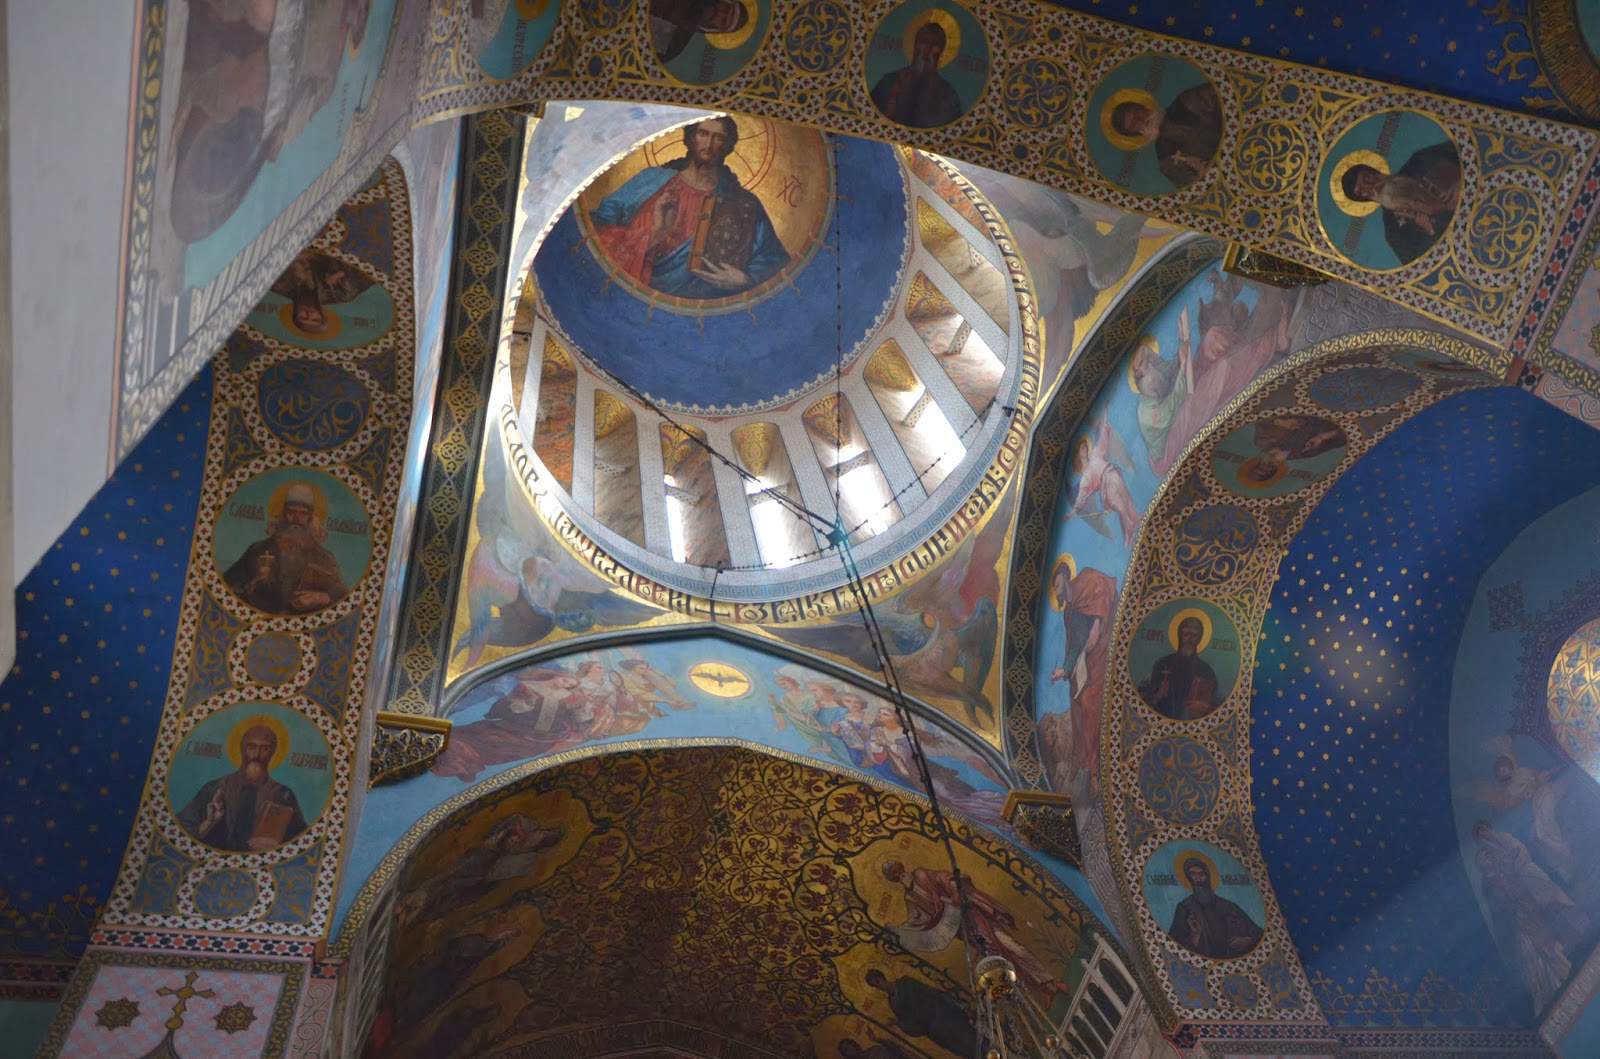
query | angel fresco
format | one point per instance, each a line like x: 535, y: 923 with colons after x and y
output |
x: 841, y: 724
x: 1564, y: 808
x: 1084, y: 246
x: 886, y: 750
x: 1535, y: 922
x: 1100, y: 488
x: 520, y: 586
x: 553, y: 708
x: 1235, y: 344
x: 811, y: 709
x: 941, y: 631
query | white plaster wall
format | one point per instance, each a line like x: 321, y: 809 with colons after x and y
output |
x: 68, y: 84
x: 8, y: 613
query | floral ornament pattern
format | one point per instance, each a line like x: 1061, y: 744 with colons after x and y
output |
x: 117, y: 1014
x: 818, y: 36
x: 1037, y: 93
x: 235, y: 1018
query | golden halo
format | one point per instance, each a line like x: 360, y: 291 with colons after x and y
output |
x: 1145, y: 342
x: 1343, y: 166
x: 1182, y: 616
x: 1121, y: 140
x: 319, y: 502
x: 528, y: 10
x: 1066, y: 560
x: 720, y: 41
x: 952, y: 34
x: 263, y: 720
x: 330, y: 329
x: 1188, y: 856
x: 1247, y: 480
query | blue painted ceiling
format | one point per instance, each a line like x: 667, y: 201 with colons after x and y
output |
x: 1480, y: 50
x: 79, y: 710
x: 1350, y: 717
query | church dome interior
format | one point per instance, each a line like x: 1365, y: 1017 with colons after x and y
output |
x: 913, y: 529
x: 872, y: 352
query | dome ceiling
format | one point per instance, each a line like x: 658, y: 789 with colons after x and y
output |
x: 749, y: 308
x: 743, y: 333
x: 1377, y: 733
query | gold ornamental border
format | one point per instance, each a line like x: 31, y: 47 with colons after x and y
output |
x: 899, y: 573
x: 1133, y: 829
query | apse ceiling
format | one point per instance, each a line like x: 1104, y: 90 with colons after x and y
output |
x: 1364, y: 826
x: 743, y: 336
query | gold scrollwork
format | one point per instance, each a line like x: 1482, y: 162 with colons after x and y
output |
x: 1504, y: 228
x: 1036, y: 93
x: 1272, y: 155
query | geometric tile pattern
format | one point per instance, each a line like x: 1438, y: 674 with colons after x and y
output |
x: 217, y: 1014
x: 486, y: 218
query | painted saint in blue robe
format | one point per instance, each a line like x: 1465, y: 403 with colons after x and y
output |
x: 688, y: 228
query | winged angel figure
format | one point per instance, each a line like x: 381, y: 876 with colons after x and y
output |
x: 1557, y: 799
x: 521, y: 585
x: 1100, y: 488
x: 941, y: 631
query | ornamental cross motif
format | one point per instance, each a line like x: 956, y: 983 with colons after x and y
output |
x: 184, y: 994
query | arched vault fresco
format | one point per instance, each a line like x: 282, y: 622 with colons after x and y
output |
x: 633, y: 875
x: 231, y: 174
x: 1522, y: 708
x: 671, y: 684
x: 1265, y: 463
x: 1254, y: 144
x: 1374, y: 625
x: 1184, y: 341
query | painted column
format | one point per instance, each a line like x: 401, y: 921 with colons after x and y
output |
x: 207, y: 944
